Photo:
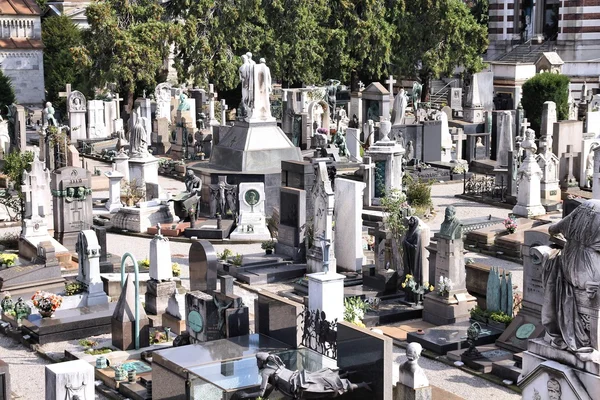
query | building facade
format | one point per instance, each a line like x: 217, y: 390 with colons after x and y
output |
x: 21, y: 49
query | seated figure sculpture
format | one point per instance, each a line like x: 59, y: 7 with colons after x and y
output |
x: 323, y: 384
x: 187, y: 203
x: 571, y: 279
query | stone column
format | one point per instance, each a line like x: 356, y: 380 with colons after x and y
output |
x: 114, y: 189
x: 348, y: 222
x: 121, y: 165
x: 88, y: 251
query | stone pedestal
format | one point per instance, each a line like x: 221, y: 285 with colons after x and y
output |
x: 403, y: 392
x: 69, y: 380
x: 326, y: 293
x: 529, y: 203
x: 160, y: 259
x: 121, y: 165
x: 157, y: 296
x: 474, y: 115
x: 439, y: 310
x: 387, y: 157
x: 114, y: 190
x: 348, y: 232
x: 88, y: 252
x: 201, y: 317
x: 139, y: 219
x: 144, y: 170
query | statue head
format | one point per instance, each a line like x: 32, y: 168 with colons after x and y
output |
x: 262, y: 61
x: 554, y: 391
x: 70, y: 192
x: 48, y: 104
x: 450, y: 214
x: 244, y: 58
x: 189, y: 174
x: 413, y: 351
x: 249, y: 56
x: 262, y: 359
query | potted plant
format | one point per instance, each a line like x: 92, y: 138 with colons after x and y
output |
x: 268, y: 246
x: 416, y: 289
x: 8, y: 259
x: 46, y: 303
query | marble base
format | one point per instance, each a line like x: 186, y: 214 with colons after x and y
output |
x: 251, y: 226
x: 144, y: 169
x: 140, y: 219
x: 69, y: 379
x: 158, y: 295
x: 326, y: 293
x: 402, y: 392
x: 528, y: 211
x: 440, y: 310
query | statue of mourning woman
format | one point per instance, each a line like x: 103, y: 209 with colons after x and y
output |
x: 571, y: 278
x: 138, y: 143
x: 322, y: 384
x: 413, y: 250
x: 399, y: 109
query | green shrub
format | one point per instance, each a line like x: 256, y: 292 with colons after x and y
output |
x: 73, y: 288
x: 7, y: 92
x: 224, y: 255
x: 237, y: 259
x: 176, y: 268
x: 541, y: 88
x: 418, y: 193
x: 10, y: 240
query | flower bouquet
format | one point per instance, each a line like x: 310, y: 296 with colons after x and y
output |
x: 510, y: 224
x: 46, y: 302
x: 445, y: 285
x: 415, y: 288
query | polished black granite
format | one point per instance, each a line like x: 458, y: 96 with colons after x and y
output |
x: 75, y: 323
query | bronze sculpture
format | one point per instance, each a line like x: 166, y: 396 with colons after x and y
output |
x: 187, y: 203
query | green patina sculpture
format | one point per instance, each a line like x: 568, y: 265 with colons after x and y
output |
x: 73, y: 193
x: 184, y: 105
x: 22, y: 310
x: 451, y: 227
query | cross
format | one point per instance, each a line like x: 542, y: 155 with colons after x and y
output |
x: 569, y: 155
x: 212, y: 96
x: 118, y: 100
x: 458, y: 137
x: 390, y: 83
x: 66, y: 94
x: 224, y: 109
x: 524, y: 126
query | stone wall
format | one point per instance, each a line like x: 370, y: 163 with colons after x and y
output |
x: 26, y: 70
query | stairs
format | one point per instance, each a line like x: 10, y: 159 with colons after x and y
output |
x: 527, y: 52
x: 439, y: 92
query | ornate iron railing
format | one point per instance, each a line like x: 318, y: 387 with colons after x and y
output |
x: 486, y: 186
x: 318, y: 333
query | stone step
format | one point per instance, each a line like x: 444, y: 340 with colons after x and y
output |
x: 506, y: 369
x: 270, y: 274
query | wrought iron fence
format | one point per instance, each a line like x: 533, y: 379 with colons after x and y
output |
x: 318, y: 333
x: 485, y: 186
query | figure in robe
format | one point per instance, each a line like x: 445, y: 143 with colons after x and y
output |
x: 400, y: 103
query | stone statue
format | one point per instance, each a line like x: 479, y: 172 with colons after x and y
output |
x: 528, y: 145
x: 416, y: 96
x: 332, y: 85
x: 554, y: 390
x: 409, y: 154
x: 121, y: 141
x: 354, y: 122
x: 244, y: 74
x: 451, y: 227
x: 411, y: 374
x: 184, y: 105
x: 339, y: 140
x: 48, y: 115
x: 322, y: 384
x: 223, y: 199
x: 138, y: 145
x: 571, y: 280
x: 262, y: 91
x: 189, y: 200
x: 399, y: 109
x: 412, y: 251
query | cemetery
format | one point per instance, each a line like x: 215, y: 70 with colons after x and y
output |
x: 177, y: 225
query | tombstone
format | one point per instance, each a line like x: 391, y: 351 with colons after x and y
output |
x: 292, y: 209
x: 375, y: 102
x: 251, y: 222
x: 162, y: 95
x: 70, y: 380
x: 548, y: 162
x: 233, y: 316
x: 318, y: 117
x: 121, y: 165
x: 348, y: 224
x: 449, y: 263
x: 72, y: 203
x: 324, y: 201
x: 568, y: 133
x: 353, y: 143
x: 529, y: 202
x: 37, y: 199
x: 88, y: 253
x: 203, y: 266
x: 160, y: 287
x: 473, y: 112
x: 455, y: 98
x: 199, y: 96
x: 77, y: 111
x: 569, y: 180
x: 123, y: 319
x: 144, y: 106
x: 592, y: 122
x: 446, y: 155
x: 20, y: 126
x: 202, y: 317
x: 96, y: 124
x: 387, y: 157
x: 114, y: 190
x: 587, y: 161
x: 5, y: 139
x: 432, y: 147
x: 548, y: 119
x: 505, y: 137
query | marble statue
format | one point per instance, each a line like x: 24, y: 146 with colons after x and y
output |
x: 411, y: 373
x: 399, y: 108
x: 416, y: 95
x: 48, y: 115
x: 262, y: 91
x: 322, y: 384
x: 189, y: 200
x: 138, y: 145
x: 571, y: 279
x: 121, y: 141
x: 451, y: 227
x: 412, y: 251
x: 244, y: 72
x: 332, y: 85
x: 409, y: 154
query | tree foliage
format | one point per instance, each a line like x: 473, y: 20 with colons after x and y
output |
x: 60, y: 34
x: 127, y: 43
x: 15, y: 163
x: 541, y: 88
x: 7, y: 93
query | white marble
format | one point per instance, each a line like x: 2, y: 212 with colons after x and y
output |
x: 160, y: 258
x: 326, y: 293
x: 506, y: 137
x: 593, y: 122
x: 348, y: 224
x: 114, y: 190
x: 529, y: 203
x: 252, y: 221
x: 96, y: 125
x: 88, y: 252
x: 121, y: 165
x: 144, y: 169
x: 446, y: 155
x: 587, y: 160
x: 596, y: 177
x: 353, y: 142
x: 66, y: 380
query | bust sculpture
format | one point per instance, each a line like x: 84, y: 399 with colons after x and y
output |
x: 184, y: 105
x: 571, y: 280
x: 451, y: 227
x: 411, y: 374
x: 323, y: 384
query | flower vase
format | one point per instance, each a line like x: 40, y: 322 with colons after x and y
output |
x: 46, y: 314
x: 511, y: 230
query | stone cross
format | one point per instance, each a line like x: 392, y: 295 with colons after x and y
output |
x: 224, y: 109
x: 212, y: 96
x: 458, y: 138
x: 390, y: 81
x: 524, y: 126
x: 569, y: 155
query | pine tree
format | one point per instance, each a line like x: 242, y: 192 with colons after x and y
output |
x: 7, y: 93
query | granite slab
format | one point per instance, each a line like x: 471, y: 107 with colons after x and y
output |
x: 400, y: 331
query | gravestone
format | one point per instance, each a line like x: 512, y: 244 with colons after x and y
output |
x: 473, y: 112
x: 202, y: 317
x: 77, y: 111
x: 348, y: 224
x: 277, y: 317
x: 123, y: 319
x: 203, y: 266
x: 587, y: 161
x: 547, y: 161
x: 114, y: 190
x: 160, y: 287
x: 233, y: 316
x: 71, y: 189
x: 568, y: 133
x: 529, y: 201
x: 290, y: 239
x: 375, y: 102
x: 70, y: 380
x: 96, y: 124
x: 251, y: 222
x: 323, y: 200
x: 505, y: 137
x: 455, y: 98
x: 596, y: 175
x: 162, y: 95
x: 88, y: 253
